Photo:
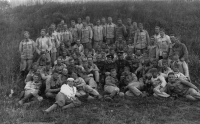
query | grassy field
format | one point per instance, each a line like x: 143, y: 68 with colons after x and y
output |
x: 121, y: 111
x: 180, y: 18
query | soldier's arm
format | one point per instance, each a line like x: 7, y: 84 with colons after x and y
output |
x: 135, y: 39
x: 125, y: 31
x: 139, y: 68
x: 49, y: 44
x: 186, y: 70
x: 37, y: 46
x: 91, y: 33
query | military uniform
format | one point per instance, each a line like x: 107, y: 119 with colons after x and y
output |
x: 120, y: 65
x: 100, y: 65
x: 109, y: 65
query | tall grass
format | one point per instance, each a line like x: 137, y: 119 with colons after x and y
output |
x: 181, y: 18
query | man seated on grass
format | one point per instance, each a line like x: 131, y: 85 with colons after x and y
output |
x: 164, y: 62
x: 66, y: 97
x: 133, y: 85
x: 180, y: 65
x: 87, y: 75
x: 95, y: 69
x: 182, y: 88
x: 83, y: 88
x: 111, y: 85
x: 53, y: 85
x: 59, y: 65
x: 159, y: 83
x: 33, y: 70
x: 123, y: 81
x: 31, y: 89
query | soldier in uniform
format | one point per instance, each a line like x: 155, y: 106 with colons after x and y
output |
x: 109, y: 64
x: 111, y: 85
x: 121, y: 63
x: 100, y: 64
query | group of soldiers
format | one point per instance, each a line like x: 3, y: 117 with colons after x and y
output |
x: 66, y: 64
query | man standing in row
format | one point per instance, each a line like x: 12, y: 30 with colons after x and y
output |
x: 43, y: 44
x: 120, y: 30
x: 98, y: 32
x: 86, y: 36
x: 27, y: 49
x: 110, y: 32
x: 74, y: 31
x: 142, y: 39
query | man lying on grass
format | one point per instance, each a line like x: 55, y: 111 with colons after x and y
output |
x: 180, y: 87
x: 66, y: 97
x: 31, y: 89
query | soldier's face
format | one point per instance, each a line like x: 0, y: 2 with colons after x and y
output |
x: 162, y: 33
x: 26, y: 35
x: 85, y: 64
x: 171, y: 78
x: 35, y: 78
x: 152, y: 41
x: 79, y: 20
x: 135, y: 24
x: 109, y: 59
x: 98, y: 22
x: 87, y: 18
x: 173, y: 39
x: 43, y: 33
x: 128, y: 78
x: 73, y: 23
x: 129, y: 21
x: 90, y: 61
x: 164, y: 55
x: 141, y: 27
x: 72, y: 62
x: 35, y: 67
x: 119, y: 21
x: 157, y: 30
x: 65, y: 72
x: 84, y: 23
x: 138, y: 52
x: 55, y: 76
x: 53, y: 27
x: 70, y: 83
x: 175, y: 57
x: 103, y: 21
x: 59, y: 61
x: 113, y: 73
x: 74, y: 75
x: 65, y: 27
x: 121, y: 57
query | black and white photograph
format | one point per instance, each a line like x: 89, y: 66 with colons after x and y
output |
x: 99, y: 61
